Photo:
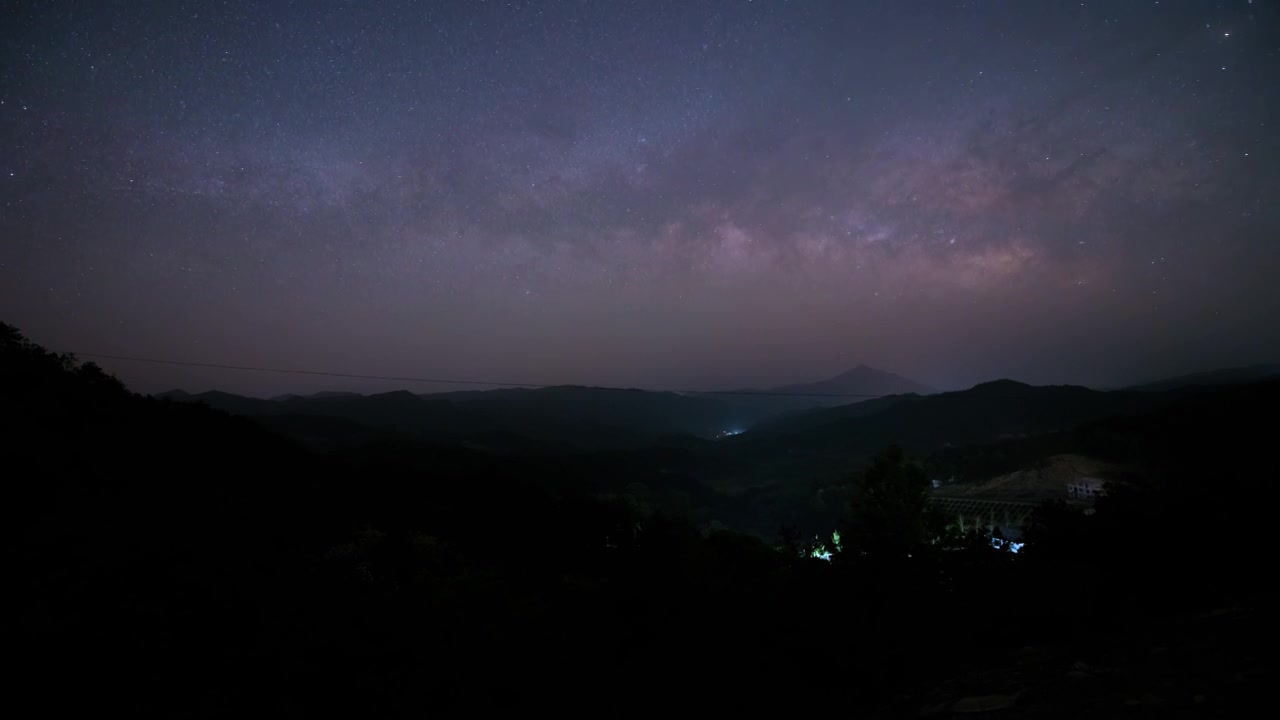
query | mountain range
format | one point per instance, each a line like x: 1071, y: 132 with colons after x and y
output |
x: 727, y: 457
x: 774, y: 432
x: 563, y: 417
x: 1212, y: 378
x: 854, y: 385
x: 558, y: 418
x: 729, y: 442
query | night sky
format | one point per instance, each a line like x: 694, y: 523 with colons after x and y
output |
x: 690, y: 194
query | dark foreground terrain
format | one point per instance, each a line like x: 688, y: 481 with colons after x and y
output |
x: 166, y: 558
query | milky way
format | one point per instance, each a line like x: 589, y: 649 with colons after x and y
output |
x: 643, y: 194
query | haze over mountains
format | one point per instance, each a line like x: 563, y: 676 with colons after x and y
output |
x: 1213, y: 378
x: 564, y: 416
x: 814, y: 434
x: 749, y: 461
x: 559, y: 418
x: 834, y: 420
x: 848, y: 386
x: 575, y: 417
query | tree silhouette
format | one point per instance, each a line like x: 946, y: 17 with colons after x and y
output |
x: 890, y: 514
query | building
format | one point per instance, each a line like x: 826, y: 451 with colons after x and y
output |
x: 1085, y: 488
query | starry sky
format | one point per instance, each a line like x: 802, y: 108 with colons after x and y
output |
x: 646, y: 194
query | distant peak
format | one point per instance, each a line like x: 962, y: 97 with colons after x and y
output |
x: 866, y: 373
x: 390, y: 394
x: 861, y: 369
x: 1002, y: 384
x: 861, y: 380
x: 332, y: 394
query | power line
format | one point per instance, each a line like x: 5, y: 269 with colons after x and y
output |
x: 294, y: 371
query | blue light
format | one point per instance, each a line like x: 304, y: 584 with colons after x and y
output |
x: 1009, y: 545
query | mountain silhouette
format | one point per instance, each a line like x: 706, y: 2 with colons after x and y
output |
x: 1212, y: 378
x: 315, y: 396
x: 754, y: 405
x: 824, y: 444
x: 860, y: 381
x: 985, y: 412
x: 566, y: 418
